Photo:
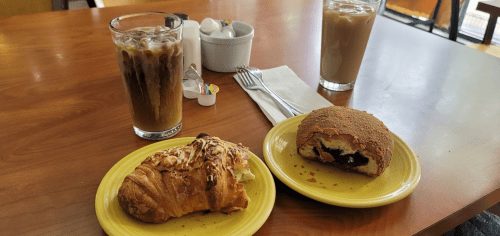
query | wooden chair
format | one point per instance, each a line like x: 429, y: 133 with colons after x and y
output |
x: 492, y: 8
x: 111, y: 3
x: 431, y: 13
x: 15, y: 7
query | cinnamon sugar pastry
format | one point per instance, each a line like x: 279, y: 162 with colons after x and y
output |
x: 347, y: 138
x: 204, y: 175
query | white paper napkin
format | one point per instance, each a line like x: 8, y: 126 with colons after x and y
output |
x: 286, y: 84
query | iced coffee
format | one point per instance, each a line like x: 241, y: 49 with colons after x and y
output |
x: 151, y: 63
x: 346, y: 28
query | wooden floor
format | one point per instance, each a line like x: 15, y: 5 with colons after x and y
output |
x: 495, y: 209
x: 493, y: 50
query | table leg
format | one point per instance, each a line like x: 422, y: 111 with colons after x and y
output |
x: 489, y: 29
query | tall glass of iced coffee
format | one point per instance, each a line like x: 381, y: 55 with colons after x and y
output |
x: 346, y: 28
x: 149, y: 50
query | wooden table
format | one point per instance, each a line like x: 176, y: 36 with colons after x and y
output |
x: 492, y: 8
x: 65, y: 120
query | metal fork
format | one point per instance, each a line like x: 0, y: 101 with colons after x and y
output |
x: 249, y: 83
x: 257, y: 73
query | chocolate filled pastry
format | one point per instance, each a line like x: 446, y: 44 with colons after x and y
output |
x: 205, y: 175
x: 350, y: 139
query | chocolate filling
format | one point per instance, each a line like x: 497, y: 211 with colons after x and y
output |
x: 351, y: 160
x: 315, y: 150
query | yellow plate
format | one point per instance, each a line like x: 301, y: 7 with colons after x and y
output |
x: 333, y: 186
x: 114, y: 221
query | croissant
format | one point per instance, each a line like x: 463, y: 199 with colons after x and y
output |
x: 204, y: 175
